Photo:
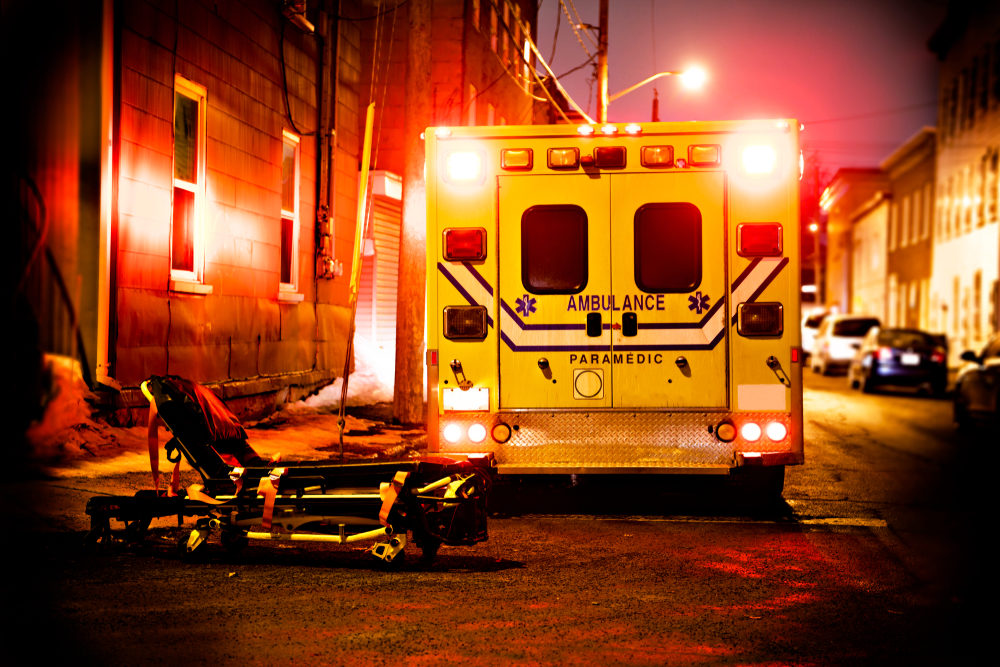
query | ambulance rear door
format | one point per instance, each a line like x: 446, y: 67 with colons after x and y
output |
x: 555, y: 352
x: 669, y: 282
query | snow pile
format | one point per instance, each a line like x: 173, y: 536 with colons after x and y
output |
x: 370, y: 382
x: 66, y: 426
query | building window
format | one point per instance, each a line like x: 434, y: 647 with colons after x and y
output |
x: 289, y: 234
x: 928, y: 213
x: 493, y: 28
x: 186, y: 229
x: 516, y: 44
x: 904, y: 223
x: 992, y: 185
x: 893, y: 222
x: 977, y: 306
x: 473, y: 94
x: 505, y: 38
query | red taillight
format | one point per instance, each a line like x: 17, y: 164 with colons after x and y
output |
x: 884, y: 353
x: 938, y: 356
x: 468, y: 245
x: 759, y: 239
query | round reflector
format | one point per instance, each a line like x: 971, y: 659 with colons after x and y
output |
x: 452, y: 433
x: 477, y: 432
x: 501, y: 432
x: 725, y: 431
x: 750, y: 431
x: 776, y: 431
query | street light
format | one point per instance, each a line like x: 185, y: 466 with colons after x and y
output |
x: 692, y: 78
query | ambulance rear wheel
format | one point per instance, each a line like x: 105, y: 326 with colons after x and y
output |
x: 763, y: 484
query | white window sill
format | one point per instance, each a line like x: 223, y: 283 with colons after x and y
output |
x: 190, y: 287
x: 290, y: 297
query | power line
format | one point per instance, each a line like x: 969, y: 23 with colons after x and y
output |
x: 873, y: 114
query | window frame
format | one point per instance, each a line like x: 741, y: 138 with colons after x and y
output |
x: 290, y: 139
x: 186, y: 88
x: 638, y: 248
x: 526, y: 265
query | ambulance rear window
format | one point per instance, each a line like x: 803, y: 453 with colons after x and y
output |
x: 554, y: 249
x: 668, y: 247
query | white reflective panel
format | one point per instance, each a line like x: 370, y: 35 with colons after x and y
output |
x: 477, y: 398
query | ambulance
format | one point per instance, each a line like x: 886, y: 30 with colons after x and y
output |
x: 617, y: 298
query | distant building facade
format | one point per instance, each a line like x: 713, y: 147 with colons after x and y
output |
x: 869, y: 232
x: 965, y: 298
x: 846, y: 201
x: 910, y: 169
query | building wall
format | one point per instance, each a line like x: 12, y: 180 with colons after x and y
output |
x: 868, y: 265
x: 964, y: 287
x: 910, y: 227
x: 842, y: 200
x: 236, y: 328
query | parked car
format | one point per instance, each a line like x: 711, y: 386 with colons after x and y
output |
x: 975, y: 397
x: 810, y: 325
x: 900, y: 357
x: 838, y: 338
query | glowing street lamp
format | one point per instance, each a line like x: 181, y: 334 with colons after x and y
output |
x: 693, y: 78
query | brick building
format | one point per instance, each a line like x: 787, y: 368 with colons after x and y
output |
x: 186, y: 178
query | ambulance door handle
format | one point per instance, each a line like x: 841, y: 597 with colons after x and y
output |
x: 630, y: 324
x: 594, y: 325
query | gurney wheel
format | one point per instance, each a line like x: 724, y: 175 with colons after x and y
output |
x: 428, y: 551
x: 135, y: 531
x: 233, y: 540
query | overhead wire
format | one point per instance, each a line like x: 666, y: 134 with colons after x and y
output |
x: 575, y: 25
x: 545, y: 65
x: 377, y: 90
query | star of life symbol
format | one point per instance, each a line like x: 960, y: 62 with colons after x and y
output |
x: 699, y: 302
x: 525, y: 305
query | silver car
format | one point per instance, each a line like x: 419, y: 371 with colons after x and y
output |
x: 837, y: 340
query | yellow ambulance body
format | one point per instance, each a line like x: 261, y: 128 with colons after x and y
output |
x: 615, y: 299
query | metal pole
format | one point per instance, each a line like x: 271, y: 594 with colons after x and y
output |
x: 602, y: 63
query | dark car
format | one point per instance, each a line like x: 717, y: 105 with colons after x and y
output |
x: 901, y: 358
x: 976, y: 400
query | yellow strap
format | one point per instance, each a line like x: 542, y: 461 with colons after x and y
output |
x: 389, y: 496
x: 195, y: 492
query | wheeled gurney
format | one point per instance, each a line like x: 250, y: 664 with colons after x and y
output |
x: 246, y: 497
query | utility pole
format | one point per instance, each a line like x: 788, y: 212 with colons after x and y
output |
x: 408, y: 395
x: 602, y: 63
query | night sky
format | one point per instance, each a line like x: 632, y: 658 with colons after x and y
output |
x: 857, y: 73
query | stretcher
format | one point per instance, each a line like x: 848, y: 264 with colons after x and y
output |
x: 426, y: 501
